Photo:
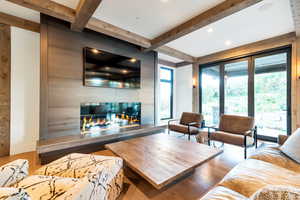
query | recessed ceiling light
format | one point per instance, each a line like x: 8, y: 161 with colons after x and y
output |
x: 228, y: 42
x: 164, y: 1
x: 95, y: 51
x: 265, y: 6
x: 133, y: 60
x: 210, y: 30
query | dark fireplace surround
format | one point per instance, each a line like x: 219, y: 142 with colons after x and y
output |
x: 97, y: 117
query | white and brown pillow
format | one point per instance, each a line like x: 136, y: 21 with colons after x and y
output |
x: 277, y: 193
x: 13, y: 172
x: 291, y: 147
x: 46, y: 187
x: 13, y: 194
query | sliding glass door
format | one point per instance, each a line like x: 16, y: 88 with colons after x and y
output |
x: 236, y: 88
x: 257, y: 85
x: 210, y: 82
x: 271, y: 94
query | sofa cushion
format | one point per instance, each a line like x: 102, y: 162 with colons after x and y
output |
x: 13, y: 172
x: 78, y: 165
x: 236, y: 124
x: 252, y: 175
x: 46, y: 187
x: 183, y: 129
x: 223, y: 193
x: 291, y: 147
x: 13, y: 194
x: 275, y: 156
x: 277, y: 193
x: 230, y: 138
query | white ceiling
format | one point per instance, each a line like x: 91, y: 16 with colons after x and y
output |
x: 267, y: 19
x: 151, y: 18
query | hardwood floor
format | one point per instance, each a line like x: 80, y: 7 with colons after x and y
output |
x: 193, y: 186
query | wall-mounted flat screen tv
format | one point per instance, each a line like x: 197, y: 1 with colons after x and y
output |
x: 104, y: 69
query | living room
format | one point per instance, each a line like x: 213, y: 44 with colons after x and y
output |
x: 162, y: 99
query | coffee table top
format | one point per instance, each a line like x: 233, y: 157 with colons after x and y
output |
x: 161, y: 158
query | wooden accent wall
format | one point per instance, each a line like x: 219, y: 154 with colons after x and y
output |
x: 5, y: 46
x: 62, y: 88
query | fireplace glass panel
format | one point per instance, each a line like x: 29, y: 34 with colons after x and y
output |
x: 104, y: 116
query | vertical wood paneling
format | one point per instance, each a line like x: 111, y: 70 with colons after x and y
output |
x: 62, y: 89
x: 196, y: 95
x: 44, y: 78
x: 5, y: 70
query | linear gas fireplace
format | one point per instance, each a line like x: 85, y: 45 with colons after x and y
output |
x: 96, y: 117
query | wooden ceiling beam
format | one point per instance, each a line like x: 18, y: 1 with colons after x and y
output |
x: 84, y: 11
x: 245, y: 50
x: 19, y: 22
x: 116, y: 32
x: 48, y: 7
x: 59, y: 11
x: 166, y: 63
x: 175, y: 53
x: 295, y: 6
x: 183, y: 64
x: 214, y: 14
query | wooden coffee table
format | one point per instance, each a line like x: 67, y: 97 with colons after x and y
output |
x: 162, y: 159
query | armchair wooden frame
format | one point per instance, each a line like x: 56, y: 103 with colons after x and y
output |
x: 248, y: 133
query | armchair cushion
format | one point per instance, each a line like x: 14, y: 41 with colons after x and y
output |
x: 236, y: 124
x: 13, y: 172
x: 230, y: 138
x: 13, y: 194
x: 183, y: 129
x: 188, y: 117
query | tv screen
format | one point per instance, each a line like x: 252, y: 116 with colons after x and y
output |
x: 104, y: 69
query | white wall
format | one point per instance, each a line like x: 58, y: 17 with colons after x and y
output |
x: 183, y: 90
x: 25, y: 78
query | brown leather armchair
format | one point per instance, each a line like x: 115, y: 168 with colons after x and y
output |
x: 189, y: 123
x: 235, y: 130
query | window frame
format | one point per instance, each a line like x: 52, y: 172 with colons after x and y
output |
x: 251, y: 74
x: 171, y: 82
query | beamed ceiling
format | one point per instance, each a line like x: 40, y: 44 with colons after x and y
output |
x: 181, y: 31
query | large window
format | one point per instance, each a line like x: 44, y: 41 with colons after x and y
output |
x: 257, y: 85
x: 166, y: 93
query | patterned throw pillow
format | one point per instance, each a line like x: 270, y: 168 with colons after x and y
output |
x: 13, y: 194
x: 277, y: 193
x: 13, y: 172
